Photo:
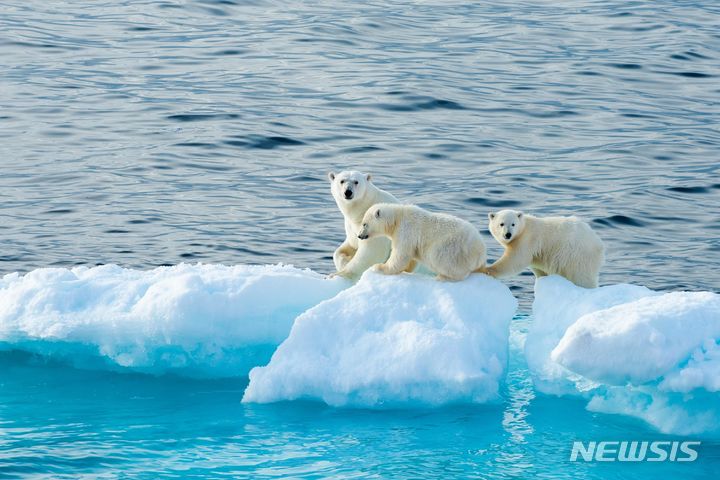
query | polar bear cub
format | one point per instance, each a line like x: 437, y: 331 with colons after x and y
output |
x: 354, y: 193
x: 565, y: 246
x: 449, y: 246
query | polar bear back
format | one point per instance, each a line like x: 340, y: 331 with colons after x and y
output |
x: 449, y: 246
x: 429, y: 228
x: 565, y: 246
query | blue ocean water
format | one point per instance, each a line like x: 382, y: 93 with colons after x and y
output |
x: 150, y: 133
x: 64, y: 423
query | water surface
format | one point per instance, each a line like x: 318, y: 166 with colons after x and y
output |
x: 154, y: 132
x: 147, y: 133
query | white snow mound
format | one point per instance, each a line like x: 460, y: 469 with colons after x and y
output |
x: 197, y: 320
x: 395, y: 341
x: 640, y: 341
x: 630, y: 350
x: 557, y: 306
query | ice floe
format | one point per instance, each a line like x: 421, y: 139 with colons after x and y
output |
x: 395, y: 341
x: 199, y: 320
x: 630, y: 350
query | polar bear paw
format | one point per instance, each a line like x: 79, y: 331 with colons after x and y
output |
x: 378, y: 268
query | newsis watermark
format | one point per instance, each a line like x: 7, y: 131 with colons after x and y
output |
x: 635, y: 451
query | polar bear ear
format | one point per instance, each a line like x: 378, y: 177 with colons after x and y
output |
x: 520, y: 214
x: 369, y: 177
x: 331, y: 176
x: 491, y: 216
x: 377, y: 213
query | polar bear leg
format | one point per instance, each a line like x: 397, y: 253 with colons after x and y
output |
x: 369, y: 253
x: 411, y: 266
x: 511, y: 263
x: 450, y: 278
x: 343, y: 255
x: 585, y: 278
x: 397, y: 263
x: 538, y: 272
x: 450, y: 262
x: 584, y: 270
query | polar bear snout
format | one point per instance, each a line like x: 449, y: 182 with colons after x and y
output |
x: 348, y: 194
x: 508, y: 235
x: 363, y: 234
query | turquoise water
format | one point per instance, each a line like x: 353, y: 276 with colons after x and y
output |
x: 149, y: 133
x: 64, y: 422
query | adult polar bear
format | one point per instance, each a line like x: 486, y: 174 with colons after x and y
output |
x: 354, y: 193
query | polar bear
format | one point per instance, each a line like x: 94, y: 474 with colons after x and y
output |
x: 354, y: 193
x: 565, y: 246
x: 449, y: 246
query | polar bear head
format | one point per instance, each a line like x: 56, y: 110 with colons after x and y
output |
x: 506, y: 225
x: 348, y: 186
x: 378, y: 220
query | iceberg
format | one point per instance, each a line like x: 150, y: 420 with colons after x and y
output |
x: 630, y: 350
x: 392, y: 341
x: 196, y: 320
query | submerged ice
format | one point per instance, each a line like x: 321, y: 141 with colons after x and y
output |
x: 392, y: 341
x: 198, y: 320
x: 630, y: 350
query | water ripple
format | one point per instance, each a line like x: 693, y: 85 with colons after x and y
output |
x: 215, y: 123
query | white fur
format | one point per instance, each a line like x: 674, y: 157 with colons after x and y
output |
x: 449, y: 246
x: 565, y: 246
x: 352, y: 257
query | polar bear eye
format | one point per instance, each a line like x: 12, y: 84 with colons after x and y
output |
x: 342, y: 181
x: 513, y: 225
x: 356, y: 182
x: 502, y: 224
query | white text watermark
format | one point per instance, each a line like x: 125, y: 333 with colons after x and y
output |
x: 635, y: 451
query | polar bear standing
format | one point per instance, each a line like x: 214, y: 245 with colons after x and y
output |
x: 354, y: 193
x: 565, y: 246
x: 449, y: 246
